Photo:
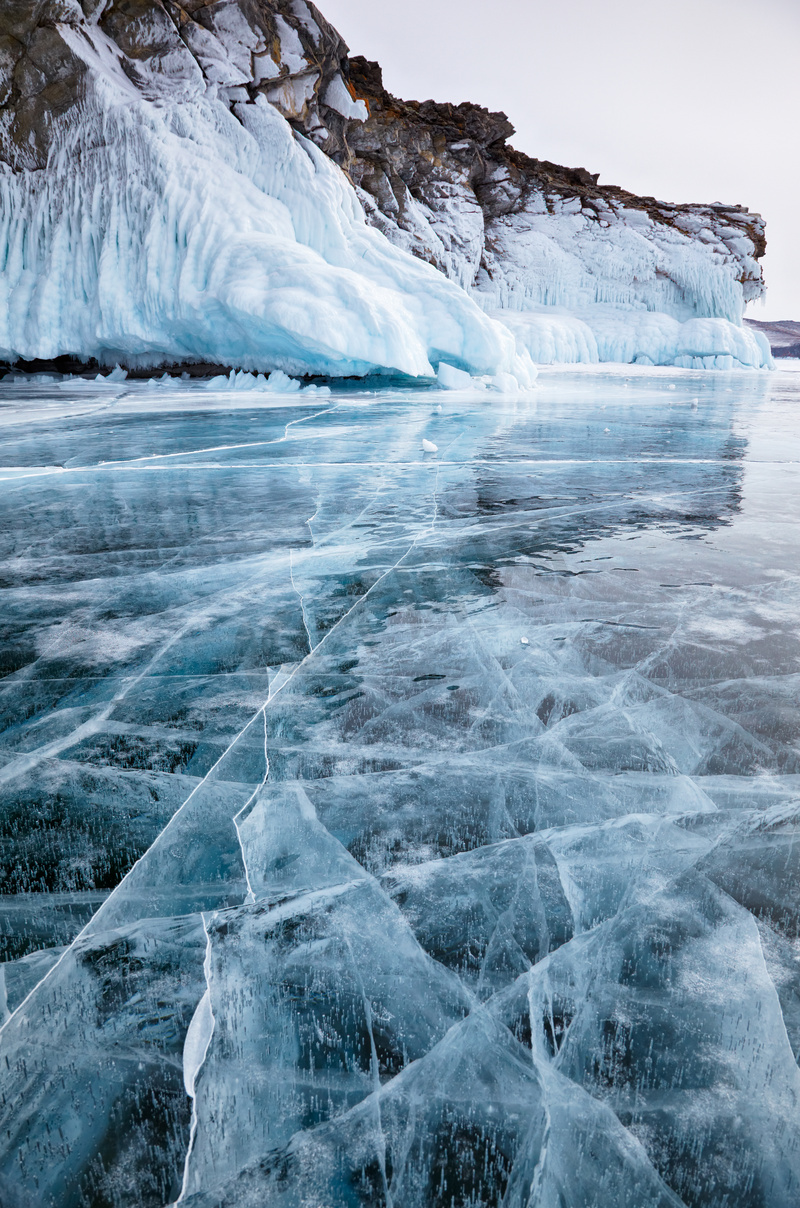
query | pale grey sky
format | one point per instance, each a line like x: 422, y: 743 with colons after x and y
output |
x: 698, y: 100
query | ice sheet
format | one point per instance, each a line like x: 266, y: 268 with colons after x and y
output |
x: 322, y: 885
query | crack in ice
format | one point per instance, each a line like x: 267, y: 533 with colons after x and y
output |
x: 173, y: 820
x: 24, y: 763
x: 300, y: 598
x: 195, y: 1050
x: 251, y: 897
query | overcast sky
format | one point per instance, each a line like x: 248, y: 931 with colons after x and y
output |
x: 698, y: 100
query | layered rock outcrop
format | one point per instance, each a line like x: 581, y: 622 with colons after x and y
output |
x: 442, y: 181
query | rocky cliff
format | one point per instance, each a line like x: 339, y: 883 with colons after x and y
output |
x: 443, y: 181
x: 439, y: 181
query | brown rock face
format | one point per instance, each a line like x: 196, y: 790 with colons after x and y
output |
x: 40, y: 78
x: 238, y: 47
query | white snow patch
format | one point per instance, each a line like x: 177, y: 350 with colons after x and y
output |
x: 264, y: 68
x: 291, y: 47
x: 218, y: 64
x: 198, y: 1038
x: 338, y: 97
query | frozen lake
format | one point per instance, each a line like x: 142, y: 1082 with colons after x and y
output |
x: 464, y: 788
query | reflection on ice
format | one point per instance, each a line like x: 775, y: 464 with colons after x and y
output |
x: 388, y: 826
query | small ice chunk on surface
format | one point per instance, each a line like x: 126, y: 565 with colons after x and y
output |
x: 451, y: 378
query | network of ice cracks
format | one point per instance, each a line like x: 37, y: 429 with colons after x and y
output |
x: 462, y: 786
x: 175, y: 229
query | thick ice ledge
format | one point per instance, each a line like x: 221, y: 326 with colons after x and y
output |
x: 553, y: 335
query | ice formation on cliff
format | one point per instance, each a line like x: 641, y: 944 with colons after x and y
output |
x: 590, y: 334
x: 530, y: 236
x: 171, y: 189
x: 176, y: 230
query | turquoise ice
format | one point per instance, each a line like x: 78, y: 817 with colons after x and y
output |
x: 389, y: 823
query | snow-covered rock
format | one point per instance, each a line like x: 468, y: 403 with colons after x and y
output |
x: 527, y: 235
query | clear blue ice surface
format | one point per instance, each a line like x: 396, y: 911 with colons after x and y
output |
x: 392, y: 827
